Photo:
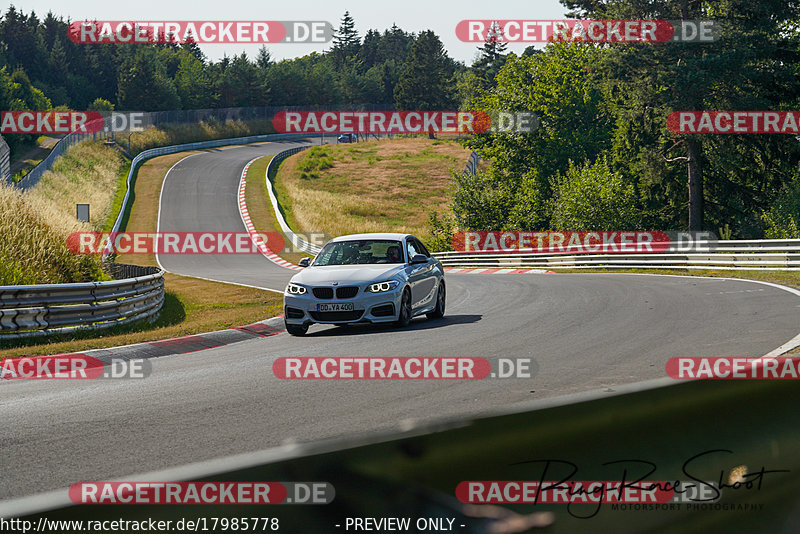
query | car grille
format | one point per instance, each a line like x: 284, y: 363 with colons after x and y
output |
x: 346, y: 292
x: 336, y: 316
x: 323, y: 292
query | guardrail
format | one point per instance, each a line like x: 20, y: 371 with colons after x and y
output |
x: 5, y: 161
x: 161, y: 151
x: 272, y: 168
x: 472, y: 164
x: 69, y: 140
x: 299, y: 242
x: 48, y: 309
x: 765, y: 254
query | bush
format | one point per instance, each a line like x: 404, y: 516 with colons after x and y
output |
x: 101, y: 104
x: 481, y: 202
x: 315, y: 159
x: 441, y: 230
x: 782, y: 221
x: 593, y: 197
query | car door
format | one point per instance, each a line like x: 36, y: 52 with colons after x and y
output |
x: 429, y: 283
x: 421, y: 277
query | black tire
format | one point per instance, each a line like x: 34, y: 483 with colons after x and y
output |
x: 296, y: 329
x: 441, y: 297
x: 404, y: 318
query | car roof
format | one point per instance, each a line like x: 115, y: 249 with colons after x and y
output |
x: 376, y: 235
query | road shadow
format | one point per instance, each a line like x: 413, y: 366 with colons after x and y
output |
x: 418, y: 323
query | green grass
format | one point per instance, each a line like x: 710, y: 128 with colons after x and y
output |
x: 119, y: 196
x: 373, y: 186
x: 178, y: 134
x: 36, y: 224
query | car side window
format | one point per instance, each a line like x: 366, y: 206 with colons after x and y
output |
x: 422, y: 249
x: 412, y: 250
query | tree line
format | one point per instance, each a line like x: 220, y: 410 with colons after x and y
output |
x: 603, y: 157
x: 41, y: 68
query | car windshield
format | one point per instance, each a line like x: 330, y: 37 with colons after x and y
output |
x: 359, y: 252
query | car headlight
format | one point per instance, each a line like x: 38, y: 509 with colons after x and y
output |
x: 380, y: 287
x: 296, y: 289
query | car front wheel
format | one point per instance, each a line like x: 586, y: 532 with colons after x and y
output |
x: 297, y: 329
x: 404, y: 318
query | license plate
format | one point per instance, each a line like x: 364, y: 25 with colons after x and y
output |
x: 334, y: 306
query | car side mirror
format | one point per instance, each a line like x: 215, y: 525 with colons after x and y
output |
x: 305, y: 262
x: 419, y: 258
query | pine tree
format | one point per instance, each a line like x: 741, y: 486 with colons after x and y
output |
x: 425, y: 83
x: 492, y: 56
x: 264, y: 58
x: 191, y: 46
x: 346, y: 42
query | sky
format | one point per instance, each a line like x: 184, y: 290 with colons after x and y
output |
x: 410, y: 15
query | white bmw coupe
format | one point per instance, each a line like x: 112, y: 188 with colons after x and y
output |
x: 365, y: 278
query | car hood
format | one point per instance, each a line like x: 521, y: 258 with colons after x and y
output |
x: 347, y: 274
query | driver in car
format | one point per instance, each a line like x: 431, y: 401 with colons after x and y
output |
x: 393, y: 254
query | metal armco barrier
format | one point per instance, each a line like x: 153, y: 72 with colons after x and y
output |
x: 471, y: 168
x: 5, y: 161
x: 69, y: 140
x: 159, y: 118
x: 48, y: 309
x: 764, y: 254
x: 272, y: 168
x: 160, y: 151
x: 472, y: 164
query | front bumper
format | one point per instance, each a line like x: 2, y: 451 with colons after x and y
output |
x: 368, y: 308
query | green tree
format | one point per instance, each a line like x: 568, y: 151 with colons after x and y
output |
x: 752, y: 65
x: 144, y: 86
x: 481, y: 202
x: 782, y: 220
x: 264, y: 59
x: 395, y: 45
x: 591, y: 197
x: 492, y: 56
x: 558, y: 88
x: 368, y: 52
x: 193, y: 84
x: 425, y: 82
x: 346, y: 41
x: 101, y: 104
x: 192, y: 48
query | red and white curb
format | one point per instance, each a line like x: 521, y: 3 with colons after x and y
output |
x: 270, y: 255
x: 175, y: 346
x: 257, y: 239
x: 497, y: 271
